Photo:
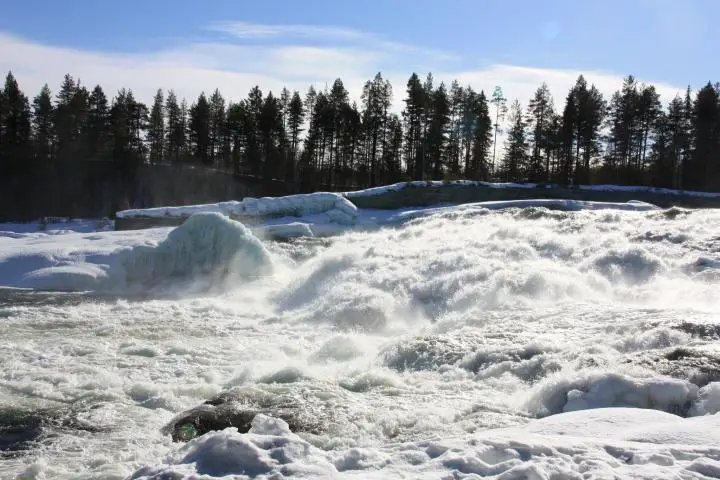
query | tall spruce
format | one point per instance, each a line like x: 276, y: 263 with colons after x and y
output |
x: 540, y: 120
x: 99, y: 131
x: 414, y: 118
x: 376, y: 100
x: 437, y: 134
x: 482, y: 138
x: 156, y: 129
x: 499, y: 101
x: 15, y: 122
x: 175, y: 135
x: 516, y: 146
x: 218, y: 148
x: 702, y: 171
x: 43, y: 127
x: 295, y: 120
x: 199, y: 130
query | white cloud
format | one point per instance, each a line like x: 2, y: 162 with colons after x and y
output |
x: 235, y: 67
x: 253, y: 30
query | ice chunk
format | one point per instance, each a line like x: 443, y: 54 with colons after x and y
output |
x: 206, y: 244
x: 596, y: 389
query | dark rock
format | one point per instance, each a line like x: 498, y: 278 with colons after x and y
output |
x: 694, y: 364
x: 700, y: 330
x: 22, y: 429
x: 237, y: 408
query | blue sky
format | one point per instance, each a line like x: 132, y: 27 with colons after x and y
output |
x: 193, y: 46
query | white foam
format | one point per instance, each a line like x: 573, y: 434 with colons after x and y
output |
x: 496, y: 317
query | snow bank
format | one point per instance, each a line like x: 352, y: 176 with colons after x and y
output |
x: 472, y: 183
x: 205, y: 244
x: 72, y: 261
x: 396, y: 187
x: 338, y: 208
x: 661, y: 191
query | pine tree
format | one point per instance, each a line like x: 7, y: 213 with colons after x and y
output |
x: 702, y: 170
x: 414, y: 115
x: 43, y: 129
x: 540, y: 116
x: 236, y: 128
x: 590, y: 117
x: 175, y: 136
x: 392, y: 154
x: 128, y: 120
x: 578, y: 136
x: 649, y: 110
x: 453, y: 153
x: 199, y: 130
x: 64, y: 117
x: 295, y: 119
x: 15, y: 125
x: 516, y: 155
x: 15, y: 144
x: 253, y: 139
x: 482, y: 138
x: 271, y: 132
x: 218, y: 134
x: 99, y: 131
x: 376, y: 100
x: 437, y: 135
x: 500, y: 103
x: 156, y: 129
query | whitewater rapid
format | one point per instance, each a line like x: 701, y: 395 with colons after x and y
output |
x: 458, y: 343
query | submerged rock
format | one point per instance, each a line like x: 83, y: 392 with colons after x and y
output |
x: 428, y: 352
x: 697, y: 365
x: 23, y: 428
x: 238, y: 407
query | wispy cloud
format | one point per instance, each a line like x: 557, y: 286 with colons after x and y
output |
x: 254, y: 30
x: 338, y: 36
x: 235, y: 67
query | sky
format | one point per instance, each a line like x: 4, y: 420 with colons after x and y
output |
x: 235, y: 44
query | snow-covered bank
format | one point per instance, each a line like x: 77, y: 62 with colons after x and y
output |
x: 335, y: 206
x: 396, y: 187
x: 206, y: 245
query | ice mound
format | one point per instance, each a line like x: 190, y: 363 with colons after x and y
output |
x: 337, y: 207
x: 207, y: 244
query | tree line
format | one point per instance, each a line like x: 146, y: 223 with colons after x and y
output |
x: 320, y: 138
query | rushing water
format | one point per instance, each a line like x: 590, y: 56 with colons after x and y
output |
x: 390, y: 343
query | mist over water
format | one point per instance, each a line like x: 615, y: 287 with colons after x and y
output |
x: 442, y: 327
